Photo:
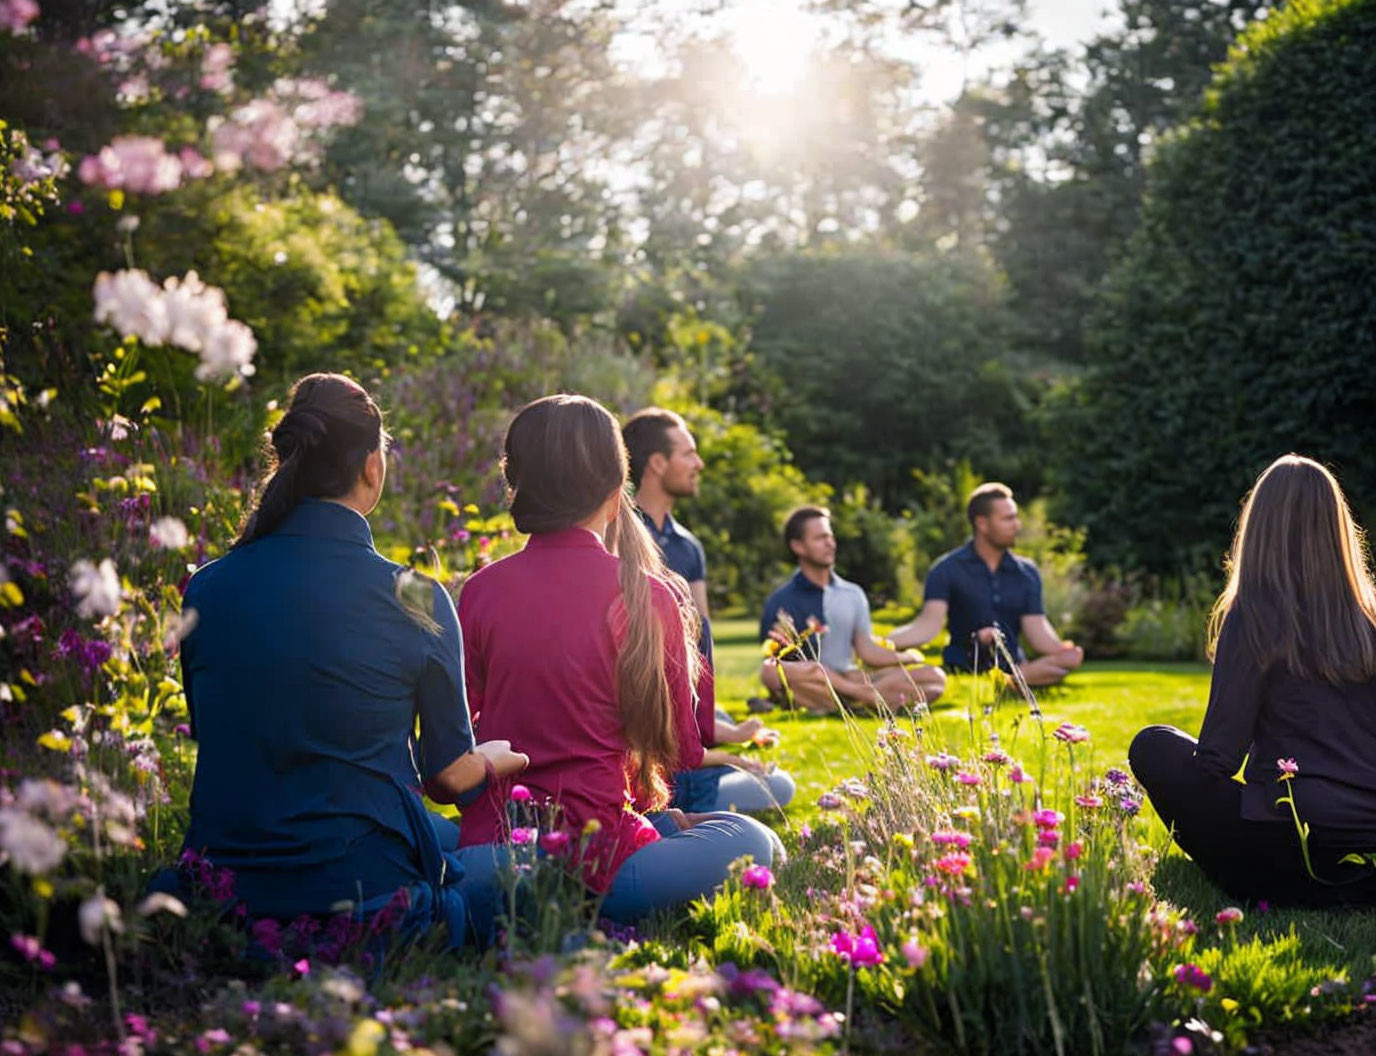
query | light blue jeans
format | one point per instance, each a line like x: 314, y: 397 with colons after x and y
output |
x: 717, y: 788
x: 677, y: 868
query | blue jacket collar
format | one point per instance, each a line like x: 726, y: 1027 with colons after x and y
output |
x: 323, y: 519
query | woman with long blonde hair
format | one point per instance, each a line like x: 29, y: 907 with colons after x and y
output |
x: 586, y: 644
x: 1293, y: 694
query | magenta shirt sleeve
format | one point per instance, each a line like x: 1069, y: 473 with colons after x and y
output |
x: 707, y: 702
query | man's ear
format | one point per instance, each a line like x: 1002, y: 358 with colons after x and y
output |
x: 657, y: 461
x: 796, y: 545
x: 373, y: 469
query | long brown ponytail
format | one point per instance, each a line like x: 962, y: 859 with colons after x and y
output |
x: 563, y: 458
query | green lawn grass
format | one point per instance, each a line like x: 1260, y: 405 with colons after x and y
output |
x: 1271, y: 961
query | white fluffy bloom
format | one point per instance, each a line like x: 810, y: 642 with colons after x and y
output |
x: 46, y: 796
x: 169, y: 533
x: 226, y: 351
x: 96, y: 914
x: 132, y: 303
x: 162, y: 902
x: 96, y: 588
x: 259, y: 133
x: 30, y: 845
x: 193, y: 310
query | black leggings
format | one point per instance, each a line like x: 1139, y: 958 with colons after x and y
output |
x: 1249, y: 860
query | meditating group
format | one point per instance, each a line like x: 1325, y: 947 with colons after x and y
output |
x: 328, y: 687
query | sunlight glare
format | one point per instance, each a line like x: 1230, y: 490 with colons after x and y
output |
x: 775, y: 40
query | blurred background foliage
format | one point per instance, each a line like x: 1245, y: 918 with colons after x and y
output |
x: 1120, y: 276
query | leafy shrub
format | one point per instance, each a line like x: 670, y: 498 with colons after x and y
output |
x: 1239, y: 324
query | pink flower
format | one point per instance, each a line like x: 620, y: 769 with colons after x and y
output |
x: 520, y: 794
x: 523, y: 836
x: 942, y: 762
x: 1228, y: 915
x: 1288, y: 768
x: 914, y: 954
x: 1040, y: 859
x: 829, y: 801
x: 1018, y: 775
x: 757, y: 876
x: 955, y: 864
x: 1047, y: 819
x: 1070, y: 733
x: 555, y: 843
x: 1048, y: 838
x: 1089, y: 802
x: 139, y: 164
x: 1072, y: 884
x: 1073, y: 850
x: 302, y: 967
x: 16, y: 14
x: 952, y: 837
x: 966, y: 778
x: 997, y: 757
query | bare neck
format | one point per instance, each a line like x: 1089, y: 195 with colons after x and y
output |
x: 654, y: 500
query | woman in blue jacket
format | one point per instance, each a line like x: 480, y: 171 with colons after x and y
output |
x: 326, y: 689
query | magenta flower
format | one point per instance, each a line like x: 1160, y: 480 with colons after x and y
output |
x: 1048, y: 819
x: 1288, y: 769
x: 952, y: 837
x: 1228, y: 915
x: 829, y: 801
x: 1070, y: 733
x: 302, y: 967
x: 860, y: 949
x: 555, y: 843
x: 520, y: 794
x: 1073, y: 850
x: 1048, y: 838
x: 1191, y: 975
x: 267, y: 933
x: 966, y: 778
x: 1071, y: 885
x: 757, y: 876
x: 1018, y: 775
x: 997, y: 757
x: 523, y: 836
x: 1089, y: 802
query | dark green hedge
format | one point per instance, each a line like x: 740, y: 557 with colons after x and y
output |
x: 1241, y: 323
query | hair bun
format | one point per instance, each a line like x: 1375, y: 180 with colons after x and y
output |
x: 300, y: 429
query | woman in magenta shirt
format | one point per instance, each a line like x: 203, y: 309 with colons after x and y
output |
x: 582, y: 643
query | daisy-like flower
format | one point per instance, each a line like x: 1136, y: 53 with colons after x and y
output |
x: 1288, y: 769
x: 1070, y: 733
x: 1228, y: 915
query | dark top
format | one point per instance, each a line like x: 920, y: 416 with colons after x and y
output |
x: 1330, y: 732
x: 682, y: 554
x: 542, y: 631
x: 980, y: 598
x: 305, y: 679
x: 840, y: 607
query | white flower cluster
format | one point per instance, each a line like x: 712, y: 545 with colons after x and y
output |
x: 97, y: 588
x: 183, y: 312
x: 32, y: 165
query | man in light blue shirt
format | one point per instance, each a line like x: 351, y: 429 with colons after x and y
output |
x: 833, y: 617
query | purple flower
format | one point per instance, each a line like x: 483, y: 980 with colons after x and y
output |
x: 942, y: 761
x: 555, y: 843
x: 829, y: 801
x: 1114, y: 776
x: 1193, y: 976
x: 267, y: 933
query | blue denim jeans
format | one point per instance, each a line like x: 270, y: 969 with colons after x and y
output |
x: 687, y: 864
x: 718, y: 788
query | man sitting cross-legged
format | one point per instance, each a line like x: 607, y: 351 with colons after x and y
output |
x: 816, y: 596
x: 984, y: 587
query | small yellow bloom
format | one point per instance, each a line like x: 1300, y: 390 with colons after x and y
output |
x: 367, y: 1035
x: 592, y: 827
x: 56, y: 740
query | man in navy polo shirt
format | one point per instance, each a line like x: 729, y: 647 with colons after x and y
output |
x: 984, y: 588
x: 840, y: 614
x: 665, y: 466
